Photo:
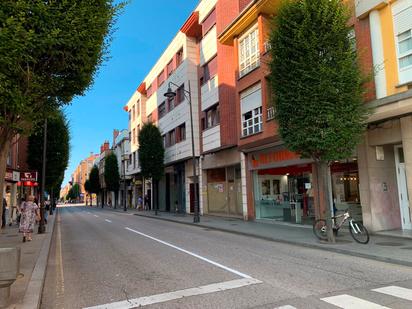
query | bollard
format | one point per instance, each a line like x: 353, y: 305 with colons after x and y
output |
x: 9, y: 269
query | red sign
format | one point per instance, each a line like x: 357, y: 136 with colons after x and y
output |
x: 273, y: 157
x: 28, y: 176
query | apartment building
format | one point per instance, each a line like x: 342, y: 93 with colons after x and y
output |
x: 121, y: 148
x: 385, y: 155
x: 82, y: 172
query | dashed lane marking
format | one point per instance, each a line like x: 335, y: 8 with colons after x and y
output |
x: 107, y: 220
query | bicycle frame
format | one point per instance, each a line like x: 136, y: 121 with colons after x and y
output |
x: 345, y: 216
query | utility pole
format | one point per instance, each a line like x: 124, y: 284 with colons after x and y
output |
x: 42, y: 227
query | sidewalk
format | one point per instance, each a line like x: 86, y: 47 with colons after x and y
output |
x: 26, y: 290
x: 391, y: 249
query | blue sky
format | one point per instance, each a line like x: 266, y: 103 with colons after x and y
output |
x: 144, y: 30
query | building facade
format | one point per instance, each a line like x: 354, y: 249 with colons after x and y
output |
x: 385, y: 155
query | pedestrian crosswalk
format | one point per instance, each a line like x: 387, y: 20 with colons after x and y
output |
x: 351, y: 302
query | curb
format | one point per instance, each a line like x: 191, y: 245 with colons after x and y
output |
x: 289, y: 242
x: 32, y: 296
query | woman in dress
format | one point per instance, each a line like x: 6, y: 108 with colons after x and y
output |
x: 29, y: 213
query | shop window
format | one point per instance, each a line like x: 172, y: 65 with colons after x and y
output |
x: 249, y: 51
x: 216, y: 175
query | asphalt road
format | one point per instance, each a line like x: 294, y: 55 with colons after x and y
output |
x: 116, y: 260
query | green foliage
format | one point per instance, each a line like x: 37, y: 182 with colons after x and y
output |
x: 49, y: 53
x: 74, y: 192
x: 316, y: 80
x: 151, y: 152
x: 111, y: 172
x: 57, y: 152
x: 87, y: 186
x: 94, y: 180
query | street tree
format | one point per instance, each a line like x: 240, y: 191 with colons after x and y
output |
x: 111, y: 175
x: 317, y: 86
x: 57, y: 150
x: 87, y: 188
x: 49, y: 53
x: 94, y: 182
x: 151, y: 156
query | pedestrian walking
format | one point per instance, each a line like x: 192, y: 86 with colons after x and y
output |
x: 3, y: 215
x: 139, y: 203
x: 29, y: 215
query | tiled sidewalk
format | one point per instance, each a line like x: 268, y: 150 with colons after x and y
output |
x: 32, y: 259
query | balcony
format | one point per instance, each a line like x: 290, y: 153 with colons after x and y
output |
x: 270, y: 113
x: 210, y: 93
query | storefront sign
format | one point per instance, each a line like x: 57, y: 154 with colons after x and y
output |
x: 267, y: 158
x: 12, y: 176
x: 28, y: 176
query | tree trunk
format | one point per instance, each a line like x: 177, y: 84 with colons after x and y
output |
x: 5, y: 139
x: 325, y: 204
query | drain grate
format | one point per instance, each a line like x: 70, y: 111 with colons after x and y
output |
x: 389, y: 244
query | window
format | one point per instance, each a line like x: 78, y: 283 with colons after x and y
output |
x: 405, y: 49
x: 181, y: 133
x: 171, y: 138
x: 149, y: 91
x: 150, y: 118
x: 211, y: 117
x: 138, y: 108
x: 164, y: 141
x: 179, y: 57
x: 249, y: 51
x: 134, y: 136
x: 252, y: 121
x: 160, y: 78
x: 170, y: 104
x: 180, y: 94
x: 133, y: 113
x: 209, y: 71
x: 170, y: 68
x: 402, y: 21
x: 251, y: 107
x: 162, y: 110
x: 209, y: 22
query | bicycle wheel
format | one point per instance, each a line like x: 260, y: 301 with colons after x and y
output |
x: 320, y: 230
x: 358, y: 232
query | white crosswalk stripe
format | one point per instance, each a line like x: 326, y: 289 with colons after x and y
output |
x: 285, y: 307
x: 396, y: 291
x: 350, y: 302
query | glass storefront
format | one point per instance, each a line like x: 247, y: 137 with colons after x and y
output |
x: 287, y: 193
x: 284, y: 194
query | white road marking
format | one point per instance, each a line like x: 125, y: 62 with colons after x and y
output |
x: 89, y: 212
x: 161, y: 298
x: 351, y: 302
x: 96, y: 216
x: 192, y: 254
x: 396, y: 291
x: 107, y: 220
x: 285, y: 307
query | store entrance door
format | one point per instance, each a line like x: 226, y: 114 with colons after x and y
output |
x: 403, y: 189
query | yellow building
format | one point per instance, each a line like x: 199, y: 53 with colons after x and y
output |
x: 385, y: 155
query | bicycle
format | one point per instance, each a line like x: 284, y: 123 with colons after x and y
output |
x: 358, y: 232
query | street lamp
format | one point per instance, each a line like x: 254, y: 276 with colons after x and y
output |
x: 188, y: 95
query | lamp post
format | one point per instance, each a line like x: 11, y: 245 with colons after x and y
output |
x: 42, y: 227
x: 188, y: 95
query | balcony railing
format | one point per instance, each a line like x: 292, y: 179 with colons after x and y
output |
x: 270, y: 113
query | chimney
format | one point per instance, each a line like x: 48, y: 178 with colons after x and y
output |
x: 115, y: 135
x: 106, y: 146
